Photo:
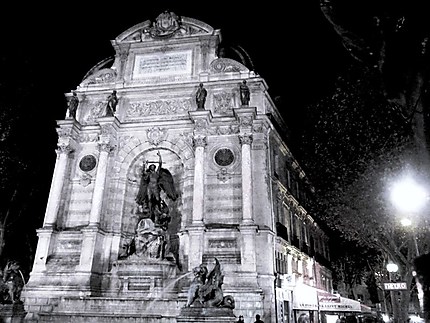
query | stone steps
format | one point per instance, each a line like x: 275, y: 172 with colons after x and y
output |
x: 119, y: 305
x: 95, y: 317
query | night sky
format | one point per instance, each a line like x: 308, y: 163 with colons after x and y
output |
x: 52, y: 47
x: 293, y: 48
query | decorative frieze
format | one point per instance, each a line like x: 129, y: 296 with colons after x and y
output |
x: 224, y: 130
x: 200, y: 125
x: 88, y: 137
x: 245, y: 121
x: 158, y: 107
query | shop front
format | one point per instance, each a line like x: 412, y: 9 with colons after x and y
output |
x: 305, y: 304
x: 334, y: 307
x: 283, y: 298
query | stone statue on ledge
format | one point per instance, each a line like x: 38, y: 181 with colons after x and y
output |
x: 72, y: 105
x: 244, y: 93
x: 201, y: 97
x: 112, y: 102
x: 207, y: 289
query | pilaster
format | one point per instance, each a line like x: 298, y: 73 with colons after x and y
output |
x: 248, y: 228
x: 201, y: 121
x: 67, y: 131
x: 93, y: 235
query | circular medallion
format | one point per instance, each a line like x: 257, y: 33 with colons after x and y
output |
x: 224, y: 157
x: 87, y: 163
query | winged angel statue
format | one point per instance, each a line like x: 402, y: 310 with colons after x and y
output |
x: 155, y: 180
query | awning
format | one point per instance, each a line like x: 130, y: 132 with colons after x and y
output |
x: 309, y: 298
x: 335, y: 303
x: 305, y: 298
x: 365, y: 309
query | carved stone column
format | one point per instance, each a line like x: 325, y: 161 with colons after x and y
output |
x: 196, y: 229
x: 245, y: 117
x: 247, y: 228
x: 67, y: 130
x: 57, y: 184
x: 199, y: 184
x: 247, y: 214
x: 93, y: 235
x: 99, y: 185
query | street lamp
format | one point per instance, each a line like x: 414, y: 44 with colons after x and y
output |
x: 392, y: 268
x: 409, y: 197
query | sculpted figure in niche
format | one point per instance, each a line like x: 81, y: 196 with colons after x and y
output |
x: 201, y: 97
x: 149, y: 201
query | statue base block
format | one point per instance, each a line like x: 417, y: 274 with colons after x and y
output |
x: 206, y: 314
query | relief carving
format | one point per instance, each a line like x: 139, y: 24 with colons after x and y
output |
x: 158, y: 107
x: 156, y: 135
x: 223, y: 102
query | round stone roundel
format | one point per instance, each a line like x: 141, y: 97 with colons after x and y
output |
x: 224, y: 157
x: 87, y: 163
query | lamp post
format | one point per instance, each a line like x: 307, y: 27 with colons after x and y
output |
x: 409, y: 198
x: 392, y: 268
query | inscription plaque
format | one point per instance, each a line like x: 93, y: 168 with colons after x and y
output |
x: 162, y: 64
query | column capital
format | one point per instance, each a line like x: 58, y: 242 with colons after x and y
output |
x: 199, y: 141
x: 108, y: 132
x: 245, y: 139
x: 68, y: 133
x: 64, y: 148
x: 106, y: 147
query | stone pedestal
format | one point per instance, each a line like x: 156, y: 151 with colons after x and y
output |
x: 144, y: 277
x: 206, y: 314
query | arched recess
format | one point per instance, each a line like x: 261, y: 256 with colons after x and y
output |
x: 177, y: 157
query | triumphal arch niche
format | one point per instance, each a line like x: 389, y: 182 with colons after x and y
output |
x: 161, y: 167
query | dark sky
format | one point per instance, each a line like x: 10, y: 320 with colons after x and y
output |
x: 292, y: 46
x: 47, y: 49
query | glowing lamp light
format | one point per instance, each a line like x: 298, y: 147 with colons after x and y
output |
x: 408, y: 196
x: 406, y: 222
x: 392, y: 268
